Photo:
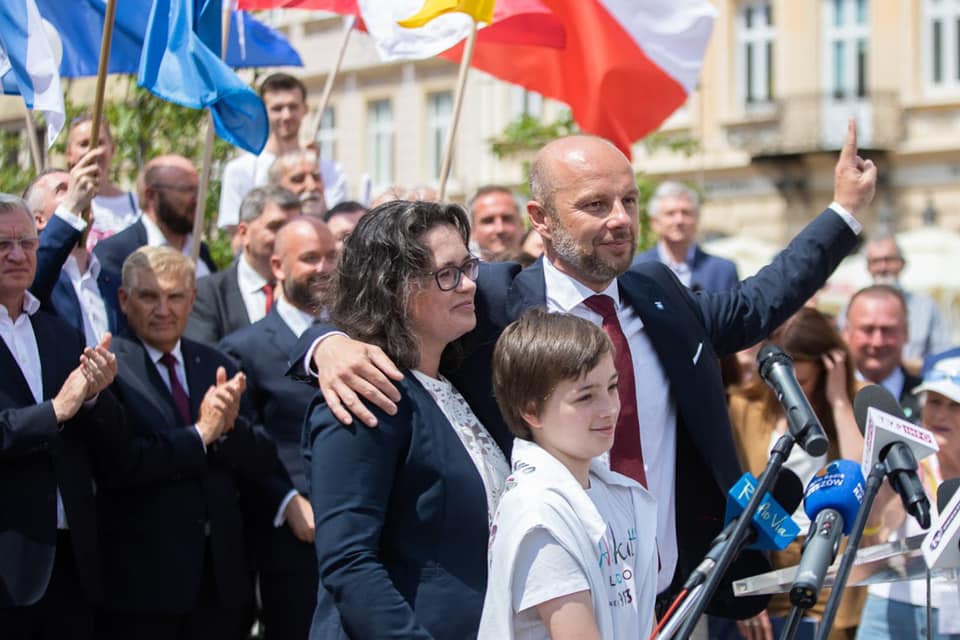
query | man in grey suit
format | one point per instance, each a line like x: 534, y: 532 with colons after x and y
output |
x: 244, y: 292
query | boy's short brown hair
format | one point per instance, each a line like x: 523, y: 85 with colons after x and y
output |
x: 535, y: 354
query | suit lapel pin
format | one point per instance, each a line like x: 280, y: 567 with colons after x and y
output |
x: 658, y: 305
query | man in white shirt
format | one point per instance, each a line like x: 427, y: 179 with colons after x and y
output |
x: 285, y: 98
x: 168, y: 187
x: 70, y: 282
x: 55, y: 426
x: 245, y: 291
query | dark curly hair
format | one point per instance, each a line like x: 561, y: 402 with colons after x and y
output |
x: 381, y: 259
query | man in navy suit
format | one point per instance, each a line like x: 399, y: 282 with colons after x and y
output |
x: 585, y: 206
x: 53, y: 427
x: 674, y: 211
x: 244, y: 292
x: 70, y: 281
x: 167, y: 190
x: 177, y: 565
x: 304, y: 258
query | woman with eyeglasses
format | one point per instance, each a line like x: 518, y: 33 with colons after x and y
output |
x: 402, y: 510
x: 898, y: 609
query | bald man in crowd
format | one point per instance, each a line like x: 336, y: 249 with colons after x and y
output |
x: 168, y: 187
x: 303, y: 260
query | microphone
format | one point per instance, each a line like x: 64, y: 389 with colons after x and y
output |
x: 941, y: 549
x: 776, y: 369
x: 832, y: 500
x: 773, y: 528
x: 897, y: 443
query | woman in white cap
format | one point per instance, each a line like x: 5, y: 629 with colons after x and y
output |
x: 897, y: 610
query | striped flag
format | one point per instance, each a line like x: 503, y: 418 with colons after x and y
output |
x: 28, y: 66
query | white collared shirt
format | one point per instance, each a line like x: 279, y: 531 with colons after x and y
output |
x: 93, y: 310
x: 892, y: 383
x: 298, y: 320
x: 251, y: 290
x: 656, y: 412
x: 683, y: 270
x: 21, y: 341
x: 155, y: 238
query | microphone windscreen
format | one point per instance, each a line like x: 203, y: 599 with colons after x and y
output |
x: 877, y: 397
x: 945, y: 492
x: 768, y: 355
x: 788, y: 490
x: 840, y: 486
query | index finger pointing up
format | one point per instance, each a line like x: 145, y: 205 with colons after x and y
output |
x: 849, y: 151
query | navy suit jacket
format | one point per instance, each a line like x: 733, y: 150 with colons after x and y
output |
x: 37, y: 456
x: 114, y: 250
x: 219, y: 309
x: 709, y: 272
x: 278, y: 406
x: 53, y: 288
x: 158, y: 506
x: 401, y: 523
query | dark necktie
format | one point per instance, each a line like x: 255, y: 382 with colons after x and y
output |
x: 180, y: 399
x: 626, y: 456
x: 268, y: 289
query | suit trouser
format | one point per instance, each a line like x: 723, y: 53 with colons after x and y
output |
x: 289, y: 594
x: 63, y: 613
x: 209, y: 619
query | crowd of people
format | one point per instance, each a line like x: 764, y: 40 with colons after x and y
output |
x: 522, y: 429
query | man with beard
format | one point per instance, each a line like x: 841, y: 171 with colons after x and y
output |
x: 303, y: 261
x: 673, y: 433
x: 244, y: 292
x: 297, y: 171
x: 167, y: 188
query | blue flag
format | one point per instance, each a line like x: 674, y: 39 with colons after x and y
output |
x: 178, y: 66
x: 27, y: 64
x: 80, y: 26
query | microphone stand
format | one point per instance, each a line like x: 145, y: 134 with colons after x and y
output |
x: 874, y: 480
x: 779, y: 453
x: 792, y: 624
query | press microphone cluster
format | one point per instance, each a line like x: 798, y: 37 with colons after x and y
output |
x: 892, y: 440
x: 776, y: 369
x: 941, y: 546
x: 831, y: 502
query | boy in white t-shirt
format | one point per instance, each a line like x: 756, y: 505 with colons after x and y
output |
x: 572, y: 547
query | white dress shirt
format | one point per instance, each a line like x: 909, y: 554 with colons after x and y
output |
x: 21, y: 341
x: 298, y: 321
x: 656, y: 412
x: 93, y: 310
x: 155, y: 238
x: 683, y: 270
x: 251, y: 290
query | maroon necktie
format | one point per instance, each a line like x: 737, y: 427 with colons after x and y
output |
x: 180, y: 399
x: 626, y: 456
x: 268, y: 289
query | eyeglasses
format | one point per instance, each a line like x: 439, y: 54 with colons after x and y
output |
x: 448, y: 278
x: 936, y: 375
x: 27, y: 243
x: 179, y: 188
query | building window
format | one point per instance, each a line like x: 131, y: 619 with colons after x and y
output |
x: 327, y: 135
x: 439, y: 113
x: 847, y: 36
x: 755, y: 36
x: 524, y: 102
x: 380, y: 142
x: 941, y: 55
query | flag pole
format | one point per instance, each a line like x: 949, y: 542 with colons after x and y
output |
x: 102, y: 68
x: 198, y: 215
x: 348, y: 26
x: 457, y: 104
x: 32, y: 135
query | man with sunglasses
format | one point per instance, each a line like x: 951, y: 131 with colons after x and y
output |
x: 167, y: 187
x: 876, y: 330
